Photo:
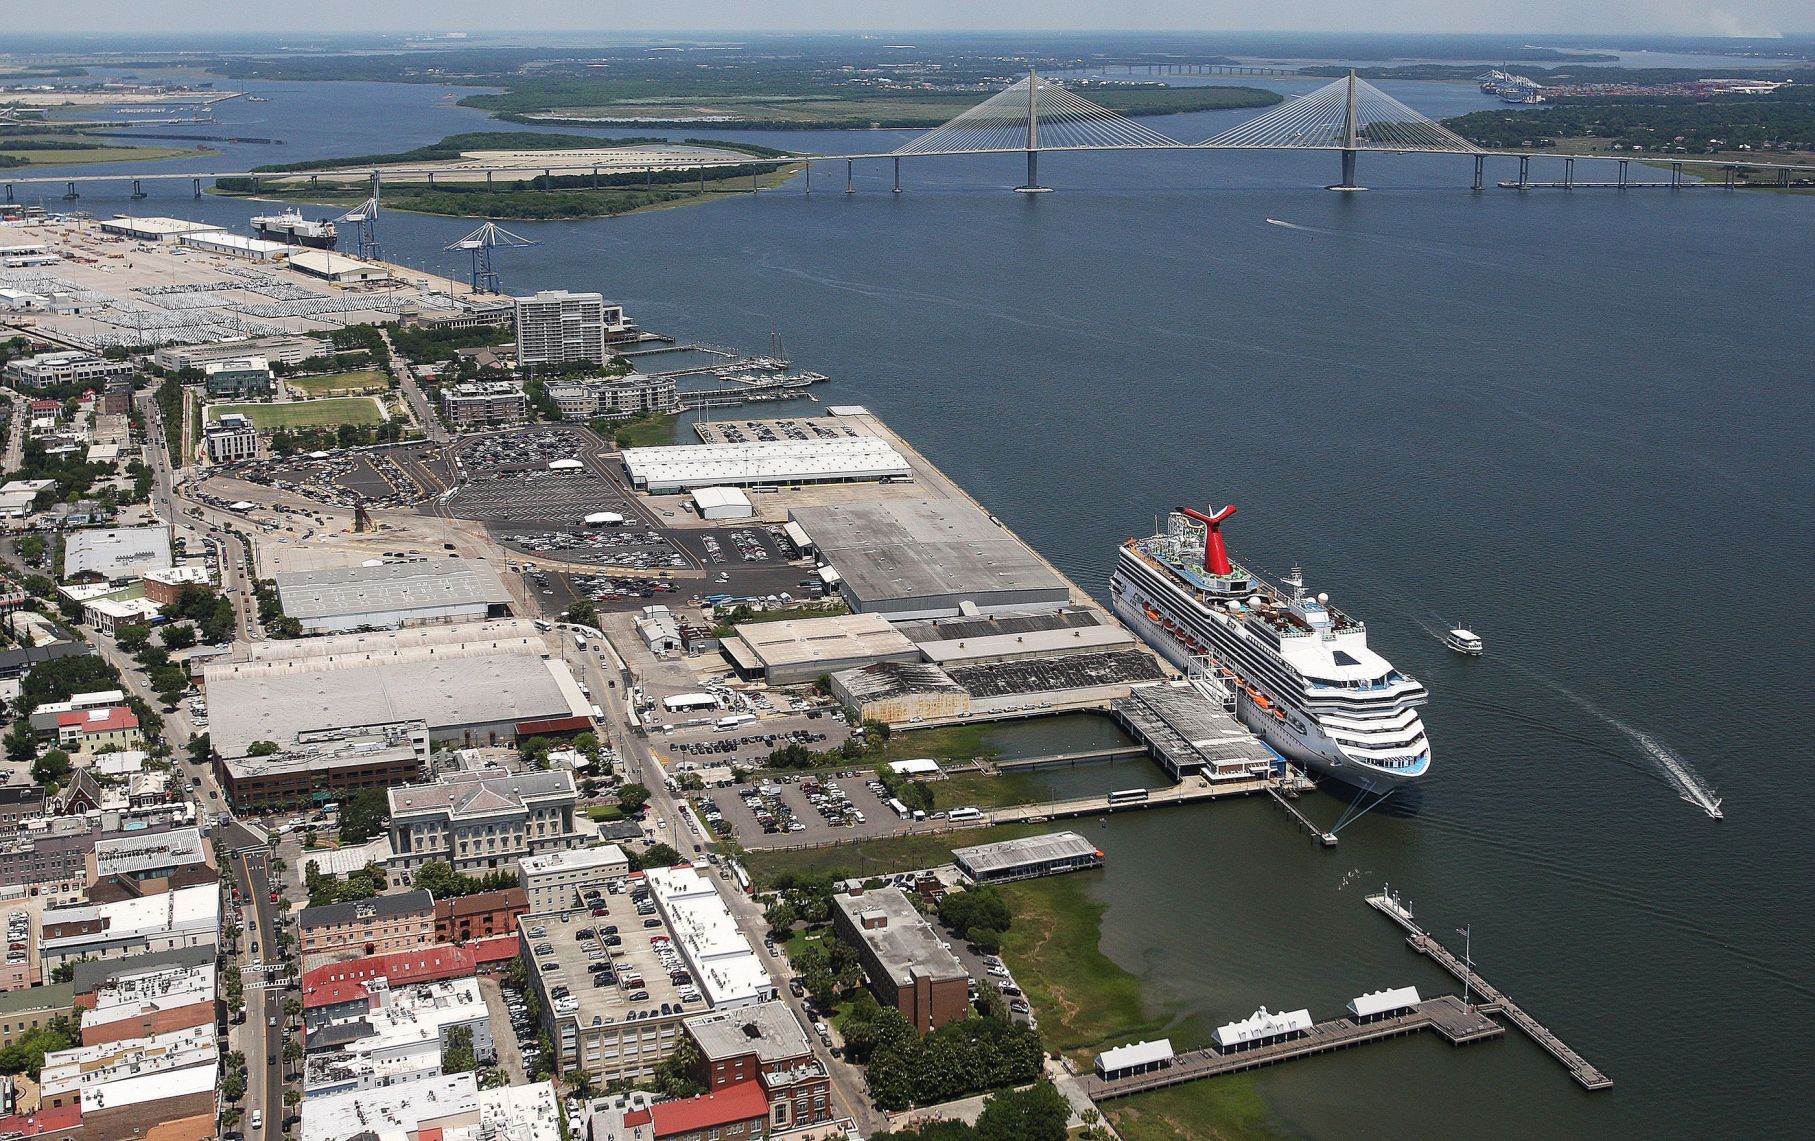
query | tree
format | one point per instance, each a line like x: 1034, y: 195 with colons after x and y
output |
x: 26, y: 1055
x: 1037, y: 1113
x: 292, y: 1050
x: 975, y: 907
x: 780, y: 918
x: 986, y: 939
x: 201, y: 750
x: 632, y: 797
x: 439, y: 879
x: 52, y: 768
x: 582, y: 612
x: 262, y: 748
x: 132, y: 636
x: 364, y: 815
x: 292, y: 1096
x: 677, y: 1074
x: 178, y: 636
x: 457, y: 1056
x: 657, y: 856
x: 21, y: 743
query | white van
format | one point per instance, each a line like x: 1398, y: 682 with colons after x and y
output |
x: 258, y: 1118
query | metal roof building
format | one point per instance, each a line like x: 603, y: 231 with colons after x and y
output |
x: 788, y: 653
x: 722, y: 503
x: 1027, y: 858
x: 391, y: 595
x: 1378, y: 1004
x: 1262, y: 1027
x: 927, y: 558
x: 154, y: 229
x: 336, y: 267
x: 1134, y: 1058
x: 115, y: 554
x: 683, y: 467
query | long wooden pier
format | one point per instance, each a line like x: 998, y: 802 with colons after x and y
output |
x: 1446, y: 1015
x: 1327, y: 839
x: 1082, y: 756
x: 1493, y: 1000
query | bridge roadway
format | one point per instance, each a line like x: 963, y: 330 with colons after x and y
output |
x: 1458, y: 1024
x: 296, y: 180
x: 1493, y: 1000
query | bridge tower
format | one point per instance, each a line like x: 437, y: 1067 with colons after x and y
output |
x: 1351, y: 139
x: 1033, y: 138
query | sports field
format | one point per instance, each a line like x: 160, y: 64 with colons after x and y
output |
x: 340, y: 383
x: 327, y: 413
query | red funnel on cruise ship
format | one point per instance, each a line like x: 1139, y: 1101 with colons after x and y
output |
x: 1216, y: 557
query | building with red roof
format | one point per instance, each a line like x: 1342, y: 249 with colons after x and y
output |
x: 102, y: 730
x: 337, y: 990
x: 737, y: 1111
x: 53, y: 1122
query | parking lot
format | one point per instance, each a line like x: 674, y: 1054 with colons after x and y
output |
x: 805, y: 808
x: 767, y: 431
x: 619, y: 546
x: 393, y: 476
x: 536, y: 496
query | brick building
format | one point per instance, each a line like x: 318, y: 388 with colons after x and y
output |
x: 367, y: 927
x: 908, y: 965
x: 766, y: 1044
x: 486, y: 915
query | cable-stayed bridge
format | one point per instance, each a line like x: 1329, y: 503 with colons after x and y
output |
x: 1034, y: 116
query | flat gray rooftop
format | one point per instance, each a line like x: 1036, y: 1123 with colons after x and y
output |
x: 907, y: 945
x: 923, y: 555
x: 430, y: 583
x: 445, y: 692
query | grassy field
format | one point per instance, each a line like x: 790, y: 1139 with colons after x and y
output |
x: 651, y: 432
x: 1226, y: 1109
x: 878, y: 857
x: 341, y: 383
x: 979, y: 790
x: 327, y: 413
x: 956, y: 742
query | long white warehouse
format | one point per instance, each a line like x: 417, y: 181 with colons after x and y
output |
x: 684, y: 467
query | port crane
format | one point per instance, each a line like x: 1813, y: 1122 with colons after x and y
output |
x: 364, y: 218
x: 480, y: 243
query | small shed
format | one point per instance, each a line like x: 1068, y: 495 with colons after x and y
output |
x: 1134, y: 1058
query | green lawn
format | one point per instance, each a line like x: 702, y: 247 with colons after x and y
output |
x: 879, y: 857
x: 328, y: 413
x: 341, y: 383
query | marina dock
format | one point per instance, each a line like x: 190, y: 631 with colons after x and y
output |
x: 1458, y: 1024
x: 1492, y: 999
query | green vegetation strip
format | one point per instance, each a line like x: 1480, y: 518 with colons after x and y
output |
x: 340, y: 382
x: 356, y: 410
x: 879, y: 857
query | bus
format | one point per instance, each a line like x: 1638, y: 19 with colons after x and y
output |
x: 579, y: 641
x: 726, y: 724
x: 899, y: 808
x: 964, y: 814
x: 1128, y: 796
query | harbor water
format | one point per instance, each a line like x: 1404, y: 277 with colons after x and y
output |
x: 1577, y: 422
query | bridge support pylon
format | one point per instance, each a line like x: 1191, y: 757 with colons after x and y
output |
x: 69, y: 194
x: 1351, y: 140
x: 138, y: 191
x: 1524, y: 172
x: 898, y: 175
x: 195, y: 187
x: 1480, y: 161
x: 1569, y: 174
x: 1676, y: 176
x: 850, y: 176
x: 1033, y: 138
x: 1622, y: 174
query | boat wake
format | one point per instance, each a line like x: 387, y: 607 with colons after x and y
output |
x: 1690, y: 786
x: 1295, y: 226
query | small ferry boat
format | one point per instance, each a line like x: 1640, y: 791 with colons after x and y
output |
x: 1464, y: 641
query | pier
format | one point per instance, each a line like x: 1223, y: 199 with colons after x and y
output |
x: 1447, y: 1015
x: 1493, y: 1000
x: 1327, y: 839
x: 1082, y: 756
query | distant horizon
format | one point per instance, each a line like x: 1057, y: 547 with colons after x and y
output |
x: 628, y: 34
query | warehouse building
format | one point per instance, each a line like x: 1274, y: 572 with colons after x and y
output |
x: 725, y: 967
x: 907, y: 964
x: 338, y: 268
x: 392, y: 595
x: 1028, y: 858
x: 722, y: 503
x: 927, y: 558
x: 1011, y: 637
x: 1191, y: 735
x: 233, y: 245
x: 900, y: 693
x: 797, y: 652
x: 777, y: 463
x: 115, y: 554
x: 1135, y: 1058
x: 154, y: 229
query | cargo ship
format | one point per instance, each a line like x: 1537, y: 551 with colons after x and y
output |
x: 1298, y: 669
x: 292, y: 229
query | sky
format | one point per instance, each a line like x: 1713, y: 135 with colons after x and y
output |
x: 1754, y: 18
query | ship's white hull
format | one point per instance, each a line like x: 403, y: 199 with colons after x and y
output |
x: 1298, y: 738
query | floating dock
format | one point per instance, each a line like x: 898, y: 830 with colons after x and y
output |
x: 1458, y: 1024
x: 1492, y: 999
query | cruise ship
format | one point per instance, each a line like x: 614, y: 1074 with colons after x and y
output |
x: 293, y: 229
x: 1301, y: 671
